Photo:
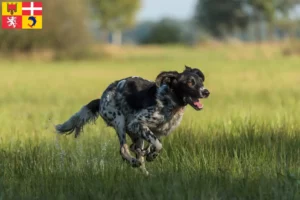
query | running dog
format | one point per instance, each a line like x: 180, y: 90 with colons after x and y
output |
x: 143, y: 109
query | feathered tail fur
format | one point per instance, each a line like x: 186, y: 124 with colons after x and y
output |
x: 88, y: 113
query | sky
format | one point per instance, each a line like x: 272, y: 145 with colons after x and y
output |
x: 156, y: 9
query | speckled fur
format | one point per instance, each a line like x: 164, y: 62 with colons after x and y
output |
x: 149, y: 124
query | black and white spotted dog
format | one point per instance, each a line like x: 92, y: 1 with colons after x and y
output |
x: 143, y: 109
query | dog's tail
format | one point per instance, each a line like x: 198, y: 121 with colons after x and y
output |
x: 88, y: 113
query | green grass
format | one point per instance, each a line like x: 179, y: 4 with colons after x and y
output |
x: 245, y: 144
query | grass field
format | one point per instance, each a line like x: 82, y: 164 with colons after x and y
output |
x: 245, y: 143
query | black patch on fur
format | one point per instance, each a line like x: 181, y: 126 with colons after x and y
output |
x: 140, y: 93
x: 94, y: 106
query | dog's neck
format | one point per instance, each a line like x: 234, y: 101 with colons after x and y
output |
x: 168, y: 99
x: 179, y: 110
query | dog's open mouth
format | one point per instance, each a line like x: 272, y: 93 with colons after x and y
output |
x: 198, y: 104
x: 195, y: 103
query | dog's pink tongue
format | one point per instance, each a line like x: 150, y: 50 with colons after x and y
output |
x: 198, y: 104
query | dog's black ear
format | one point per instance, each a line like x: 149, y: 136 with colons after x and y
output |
x: 195, y: 71
x: 187, y: 68
x: 199, y: 73
x: 166, y: 78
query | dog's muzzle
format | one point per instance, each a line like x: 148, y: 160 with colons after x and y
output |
x: 204, y: 92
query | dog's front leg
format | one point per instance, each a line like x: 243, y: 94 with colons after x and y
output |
x: 137, y: 147
x: 147, y: 135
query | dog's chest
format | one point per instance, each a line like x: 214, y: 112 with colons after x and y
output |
x: 162, y: 125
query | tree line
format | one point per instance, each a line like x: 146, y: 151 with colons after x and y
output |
x: 67, y: 26
x: 67, y: 29
x: 221, y: 18
x: 251, y: 20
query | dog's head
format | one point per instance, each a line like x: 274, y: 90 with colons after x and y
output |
x: 187, y: 86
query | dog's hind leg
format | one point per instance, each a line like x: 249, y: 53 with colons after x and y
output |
x: 119, y: 124
x: 114, y: 118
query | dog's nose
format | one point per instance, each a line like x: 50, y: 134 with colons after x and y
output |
x: 205, y: 93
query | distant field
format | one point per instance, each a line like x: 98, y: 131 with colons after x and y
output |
x: 244, y: 144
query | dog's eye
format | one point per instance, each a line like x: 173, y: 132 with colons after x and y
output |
x: 191, y: 83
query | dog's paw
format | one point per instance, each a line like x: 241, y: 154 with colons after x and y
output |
x: 141, y: 152
x: 135, y: 163
x: 138, y: 151
x: 151, y: 156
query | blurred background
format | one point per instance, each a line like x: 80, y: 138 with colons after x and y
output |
x: 244, y: 144
x: 94, y: 24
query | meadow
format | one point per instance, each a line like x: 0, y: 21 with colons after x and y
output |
x: 244, y: 144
